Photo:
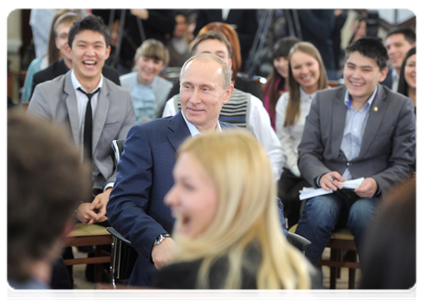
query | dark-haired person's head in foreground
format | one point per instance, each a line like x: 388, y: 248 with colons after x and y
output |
x: 45, y: 182
x: 227, y: 230
x: 389, y: 255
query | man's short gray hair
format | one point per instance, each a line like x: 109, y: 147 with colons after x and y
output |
x: 226, y: 71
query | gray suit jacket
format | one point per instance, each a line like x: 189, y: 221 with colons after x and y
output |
x: 389, y: 142
x: 55, y: 100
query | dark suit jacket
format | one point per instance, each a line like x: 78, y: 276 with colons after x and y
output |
x: 316, y: 27
x: 389, y: 143
x: 59, y: 68
x: 136, y: 208
x: 244, y: 22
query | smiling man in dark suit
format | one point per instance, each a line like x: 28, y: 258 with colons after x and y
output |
x: 362, y: 129
x: 70, y: 98
x: 136, y: 208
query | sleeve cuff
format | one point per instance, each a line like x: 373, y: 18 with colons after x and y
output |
x: 109, y: 185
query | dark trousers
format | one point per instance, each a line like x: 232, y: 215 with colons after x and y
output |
x: 289, y: 187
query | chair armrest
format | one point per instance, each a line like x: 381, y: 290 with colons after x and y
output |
x: 298, y: 241
x: 119, y: 236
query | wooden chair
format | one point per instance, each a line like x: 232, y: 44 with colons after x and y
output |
x: 107, y: 292
x: 89, y: 235
x: 341, y: 239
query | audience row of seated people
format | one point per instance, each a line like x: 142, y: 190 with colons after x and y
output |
x: 326, y: 136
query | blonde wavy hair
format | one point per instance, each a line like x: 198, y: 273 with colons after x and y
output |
x: 247, y: 213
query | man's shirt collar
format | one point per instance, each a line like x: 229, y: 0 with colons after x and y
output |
x: 348, y: 100
x: 193, y: 130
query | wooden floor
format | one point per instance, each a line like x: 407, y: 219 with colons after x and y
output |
x: 81, y: 283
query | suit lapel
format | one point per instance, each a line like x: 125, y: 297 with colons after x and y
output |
x: 100, y: 114
x: 339, y: 112
x: 179, y: 130
x: 376, y: 113
x: 71, y: 105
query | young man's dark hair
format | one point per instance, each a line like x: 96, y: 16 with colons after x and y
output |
x: 369, y: 47
x: 210, y: 35
x: 90, y: 22
x: 45, y: 183
x: 409, y: 34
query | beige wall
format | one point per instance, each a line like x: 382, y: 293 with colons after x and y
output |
x: 13, y: 45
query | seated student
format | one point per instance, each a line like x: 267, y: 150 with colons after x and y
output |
x: 389, y: 254
x: 409, y: 85
x: 45, y: 182
x: 148, y: 90
x: 95, y: 110
x: 306, y: 76
x: 277, y: 81
x: 63, y: 65
x: 227, y: 232
x: 41, y: 62
x: 359, y: 130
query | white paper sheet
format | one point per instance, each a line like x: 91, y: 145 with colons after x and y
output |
x: 309, y: 192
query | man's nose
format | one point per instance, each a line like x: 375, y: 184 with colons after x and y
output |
x: 90, y: 51
x: 195, y: 96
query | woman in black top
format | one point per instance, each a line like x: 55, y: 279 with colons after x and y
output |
x: 227, y: 231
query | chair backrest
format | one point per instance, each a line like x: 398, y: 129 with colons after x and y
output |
x: 107, y: 292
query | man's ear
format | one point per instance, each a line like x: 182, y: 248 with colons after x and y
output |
x: 68, y: 49
x: 228, y: 93
x: 383, y: 74
x: 108, y: 52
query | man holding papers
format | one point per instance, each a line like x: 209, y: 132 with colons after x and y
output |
x: 360, y: 130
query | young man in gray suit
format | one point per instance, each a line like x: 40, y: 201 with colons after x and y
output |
x: 96, y: 110
x: 362, y: 129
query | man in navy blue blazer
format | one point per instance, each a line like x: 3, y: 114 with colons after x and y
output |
x: 144, y: 173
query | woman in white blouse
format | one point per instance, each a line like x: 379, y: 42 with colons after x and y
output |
x: 306, y: 76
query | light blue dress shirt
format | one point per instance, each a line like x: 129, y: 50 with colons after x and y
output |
x: 355, y: 124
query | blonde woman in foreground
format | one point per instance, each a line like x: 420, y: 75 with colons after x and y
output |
x: 227, y: 229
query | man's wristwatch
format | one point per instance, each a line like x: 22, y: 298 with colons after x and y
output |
x: 161, y: 238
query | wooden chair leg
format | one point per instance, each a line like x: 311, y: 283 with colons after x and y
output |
x: 333, y: 270
x: 98, y: 268
x: 352, y: 257
x: 339, y: 257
